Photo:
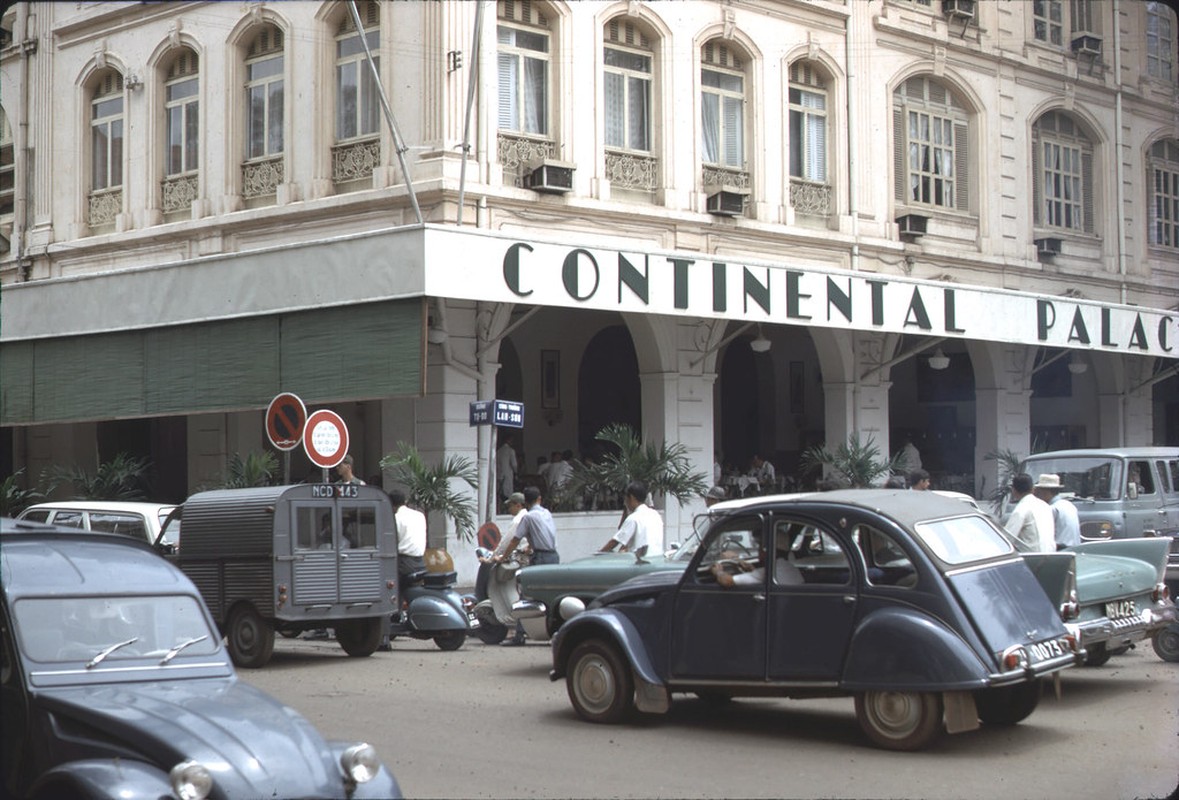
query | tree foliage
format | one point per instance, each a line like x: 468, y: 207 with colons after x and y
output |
x: 431, y: 487
x: 15, y: 498
x: 853, y: 464
x: 121, y: 478
x: 665, y: 469
x: 256, y: 469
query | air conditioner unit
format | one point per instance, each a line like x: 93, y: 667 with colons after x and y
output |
x: 727, y: 202
x: 1087, y: 44
x: 1047, y: 247
x: 958, y: 9
x: 912, y: 224
x: 553, y: 177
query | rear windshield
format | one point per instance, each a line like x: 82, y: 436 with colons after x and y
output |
x: 961, y: 540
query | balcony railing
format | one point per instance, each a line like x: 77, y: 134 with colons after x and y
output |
x: 104, y: 206
x: 261, y: 178
x: 715, y: 177
x: 632, y: 171
x: 355, y: 161
x: 810, y: 199
x: 179, y: 193
x: 517, y: 152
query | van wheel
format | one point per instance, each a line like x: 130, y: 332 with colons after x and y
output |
x: 900, y: 720
x: 600, y: 685
x: 1166, y: 642
x: 491, y: 632
x: 359, y: 637
x: 1007, y: 705
x: 250, y: 638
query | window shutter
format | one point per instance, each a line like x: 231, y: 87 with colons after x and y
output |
x: 1155, y: 178
x: 898, y: 152
x: 962, y: 163
x: 507, y: 91
x: 1087, y: 190
x: 1037, y: 183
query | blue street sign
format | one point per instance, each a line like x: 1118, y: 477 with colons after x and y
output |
x: 501, y: 413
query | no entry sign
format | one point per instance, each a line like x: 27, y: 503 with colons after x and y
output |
x: 325, y: 438
x: 285, y: 417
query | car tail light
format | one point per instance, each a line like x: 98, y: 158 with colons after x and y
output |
x: 1071, y: 609
x: 1161, y: 593
x: 1015, y: 657
x: 1073, y: 642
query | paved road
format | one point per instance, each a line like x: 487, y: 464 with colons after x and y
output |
x: 485, y: 721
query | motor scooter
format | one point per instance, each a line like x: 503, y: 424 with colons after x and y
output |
x: 431, y: 608
x: 499, y: 605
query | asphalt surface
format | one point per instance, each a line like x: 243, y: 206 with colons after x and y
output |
x: 485, y: 721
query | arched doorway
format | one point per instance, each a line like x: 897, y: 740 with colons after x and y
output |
x: 608, y: 388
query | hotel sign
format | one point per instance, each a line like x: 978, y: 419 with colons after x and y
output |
x: 696, y: 285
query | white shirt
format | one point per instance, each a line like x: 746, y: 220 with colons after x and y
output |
x: 559, y: 473
x: 411, y: 531
x: 511, y: 534
x: 785, y: 574
x: 505, y: 465
x: 643, y: 526
x: 1031, y: 523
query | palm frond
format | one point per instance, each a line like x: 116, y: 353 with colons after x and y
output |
x: 854, y: 463
x: 665, y: 469
x: 430, y: 487
x: 121, y: 478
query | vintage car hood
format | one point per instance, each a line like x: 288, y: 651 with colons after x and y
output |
x: 639, y: 586
x: 1007, y: 604
x: 591, y: 574
x: 254, y: 745
x: 1101, y: 578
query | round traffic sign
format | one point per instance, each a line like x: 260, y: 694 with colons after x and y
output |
x: 285, y: 417
x: 325, y: 438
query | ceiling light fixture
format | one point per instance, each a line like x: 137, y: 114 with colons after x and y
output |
x: 939, y: 360
x: 761, y: 344
x: 1076, y: 366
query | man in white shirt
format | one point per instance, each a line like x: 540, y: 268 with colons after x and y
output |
x: 763, y: 472
x: 517, y: 509
x: 411, y: 535
x: 506, y: 465
x: 1066, y: 521
x: 1031, y: 519
x: 643, y: 527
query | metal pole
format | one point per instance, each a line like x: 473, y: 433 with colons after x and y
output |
x: 472, y: 85
x: 398, y: 143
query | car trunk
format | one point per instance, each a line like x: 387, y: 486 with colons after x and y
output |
x: 1006, y: 605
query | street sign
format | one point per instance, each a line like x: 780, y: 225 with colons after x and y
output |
x: 285, y: 417
x: 325, y: 438
x: 501, y: 413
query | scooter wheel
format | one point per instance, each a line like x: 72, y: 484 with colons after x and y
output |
x: 451, y: 640
x: 491, y: 633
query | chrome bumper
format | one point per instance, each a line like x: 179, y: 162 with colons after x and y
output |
x: 1127, y: 629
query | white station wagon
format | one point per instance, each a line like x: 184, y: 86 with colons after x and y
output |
x: 137, y: 519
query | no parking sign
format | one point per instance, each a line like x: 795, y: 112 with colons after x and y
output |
x: 325, y: 438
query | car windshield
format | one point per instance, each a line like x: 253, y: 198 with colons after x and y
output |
x: 1098, y: 477
x: 961, y: 540
x: 60, y: 629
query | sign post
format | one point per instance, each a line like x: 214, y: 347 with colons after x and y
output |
x: 285, y: 417
x: 325, y: 439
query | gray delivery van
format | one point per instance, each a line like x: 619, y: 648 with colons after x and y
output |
x: 291, y: 558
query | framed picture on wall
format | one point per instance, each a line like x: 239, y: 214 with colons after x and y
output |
x: 550, y: 378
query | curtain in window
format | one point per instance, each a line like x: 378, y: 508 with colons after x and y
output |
x: 734, y: 132
x: 710, y: 123
x: 638, y: 108
x: 536, y: 110
x: 615, y: 99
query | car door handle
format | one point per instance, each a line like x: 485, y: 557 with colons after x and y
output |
x: 849, y: 599
x: 759, y: 598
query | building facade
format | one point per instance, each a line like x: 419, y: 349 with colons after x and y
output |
x: 748, y: 227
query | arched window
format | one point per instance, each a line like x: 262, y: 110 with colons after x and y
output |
x: 357, y: 96
x: 722, y: 103
x: 807, y: 97
x: 264, y: 99
x: 1162, y: 166
x: 931, y: 146
x: 523, y: 56
x: 627, y: 64
x: 181, y: 132
x: 1160, y: 41
x: 1062, y: 167
x: 106, y: 149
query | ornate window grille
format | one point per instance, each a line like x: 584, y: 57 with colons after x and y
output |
x: 632, y: 171
x: 261, y: 178
x: 179, y: 193
x: 104, y: 206
x: 517, y: 152
x: 355, y: 160
x: 809, y: 198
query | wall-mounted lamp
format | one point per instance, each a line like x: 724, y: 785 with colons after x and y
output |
x: 939, y: 360
x: 133, y: 83
x: 761, y: 344
x: 1076, y: 366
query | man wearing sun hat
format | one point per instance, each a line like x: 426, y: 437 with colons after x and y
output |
x: 1068, y: 525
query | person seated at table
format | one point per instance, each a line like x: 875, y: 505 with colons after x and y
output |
x: 763, y: 472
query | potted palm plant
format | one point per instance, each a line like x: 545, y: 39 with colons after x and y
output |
x: 853, y: 464
x: 430, y: 488
x: 121, y: 478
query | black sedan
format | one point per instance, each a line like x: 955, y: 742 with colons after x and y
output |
x: 914, y: 604
x: 116, y: 685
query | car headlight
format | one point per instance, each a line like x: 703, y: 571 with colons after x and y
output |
x: 360, y: 762
x: 191, y: 780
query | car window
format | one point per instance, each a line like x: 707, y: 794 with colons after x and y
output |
x: 37, y: 515
x: 126, y: 524
x: 962, y: 540
x: 1139, y: 473
x: 886, y: 562
x: 79, y: 628
x: 814, y: 554
x: 733, y: 538
x: 1164, y: 478
x: 1098, y: 477
x: 313, y: 527
x: 1174, y: 467
x: 71, y: 519
x: 360, y: 526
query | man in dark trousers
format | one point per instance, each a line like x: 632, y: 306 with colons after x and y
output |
x: 538, y: 528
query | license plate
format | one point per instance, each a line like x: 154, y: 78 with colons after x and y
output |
x: 1044, y: 651
x: 1120, y: 609
x: 472, y: 621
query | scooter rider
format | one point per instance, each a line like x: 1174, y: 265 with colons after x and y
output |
x: 539, y: 530
x: 411, y: 535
